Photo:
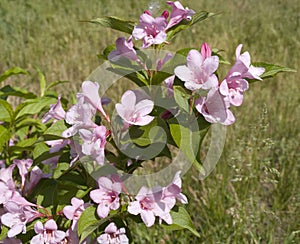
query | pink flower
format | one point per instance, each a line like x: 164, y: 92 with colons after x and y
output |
x: 161, y: 62
x: 205, y: 50
x: 36, y: 174
x: 23, y: 166
x: 133, y: 112
x: 90, y: 92
x: 56, y: 112
x: 179, y: 13
x: 148, y: 204
x: 113, y: 235
x: 169, y: 84
x: 11, y: 241
x: 124, y: 49
x: 173, y: 192
x: 80, y: 117
x: 151, y: 30
x: 235, y: 84
x: 73, y: 212
x: 215, y: 108
x: 199, y: 72
x: 17, y: 217
x: 94, y: 143
x: 47, y: 233
x: 107, y: 196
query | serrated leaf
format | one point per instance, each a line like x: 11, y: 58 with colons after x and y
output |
x: 46, y: 192
x: 15, y: 91
x: 3, y: 233
x: 23, y: 145
x: 114, y: 23
x: 12, y: 71
x: 181, y: 220
x: 271, y: 70
x: 6, y: 111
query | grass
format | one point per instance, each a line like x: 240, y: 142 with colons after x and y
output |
x: 253, y: 195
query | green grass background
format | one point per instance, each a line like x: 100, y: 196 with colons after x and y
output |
x: 253, y: 195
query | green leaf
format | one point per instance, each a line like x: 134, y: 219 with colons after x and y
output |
x: 46, y: 192
x: 181, y: 98
x: 12, y: 71
x: 114, y: 23
x: 88, y: 222
x: 31, y: 122
x: 15, y: 91
x: 271, y: 70
x: 181, y: 220
x: 106, y: 52
x: 3, y: 233
x: 55, y: 130
x: 23, y: 145
x: 35, y: 106
x: 55, y: 83
x: 4, y: 136
x: 6, y: 111
x: 43, y: 82
x: 184, y: 24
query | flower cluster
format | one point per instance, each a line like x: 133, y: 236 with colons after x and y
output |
x: 65, y: 174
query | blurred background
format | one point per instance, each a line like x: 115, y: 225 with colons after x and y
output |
x: 253, y: 196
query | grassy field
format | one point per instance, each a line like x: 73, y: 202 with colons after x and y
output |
x: 253, y: 195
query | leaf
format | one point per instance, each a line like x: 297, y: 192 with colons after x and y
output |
x: 184, y: 24
x: 12, y: 71
x: 4, y: 136
x: 3, y: 233
x: 46, y: 192
x: 88, y: 222
x: 31, y: 122
x: 43, y: 82
x: 55, y: 83
x: 55, y: 130
x: 271, y: 70
x: 23, y: 145
x: 114, y: 23
x: 181, y: 98
x: 132, y: 75
x: 181, y: 220
x: 15, y: 91
x: 35, y: 106
x: 106, y: 52
x: 6, y: 111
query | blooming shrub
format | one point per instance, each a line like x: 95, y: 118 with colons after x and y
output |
x: 67, y: 170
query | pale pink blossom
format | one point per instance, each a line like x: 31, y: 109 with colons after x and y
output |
x: 215, y: 108
x: 199, y: 71
x: 160, y: 63
x: 17, y: 216
x: 74, y: 211
x: 80, y: 117
x: 205, y: 50
x: 235, y: 82
x: 149, y: 205
x: 124, y: 48
x: 48, y: 233
x: 94, y: 143
x: 107, y: 196
x: 150, y: 29
x: 12, y: 240
x: 56, y: 112
x: 169, y: 85
x: 23, y: 166
x: 90, y: 92
x: 133, y: 112
x: 113, y: 235
x: 179, y: 13
x: 36, y: 174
